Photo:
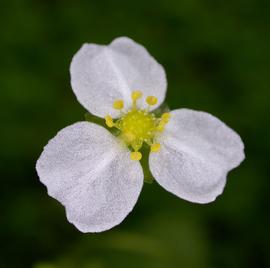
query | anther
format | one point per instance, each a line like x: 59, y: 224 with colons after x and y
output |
x: 151, y: 100
x: 161, y: 125
x: 118, y: 104
x: 109, y: 121
x: 155, y: 147
x: 165, y: 117
x: 136, y: 156
x: 163, y: 121
x: 136, y: 94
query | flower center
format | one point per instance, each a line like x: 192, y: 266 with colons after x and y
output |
x: 138, y: 125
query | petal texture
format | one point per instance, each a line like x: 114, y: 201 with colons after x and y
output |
x: 91, y: 174
x: 101, y: 74
x: 197, y: 152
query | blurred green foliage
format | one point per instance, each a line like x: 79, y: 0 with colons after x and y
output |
x: 217, y: 58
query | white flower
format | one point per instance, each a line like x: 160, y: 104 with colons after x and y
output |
x: 95, y: 175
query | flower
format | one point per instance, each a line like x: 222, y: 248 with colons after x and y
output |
x: 96, y: 175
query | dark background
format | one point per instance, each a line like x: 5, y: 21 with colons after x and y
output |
x: 217, y: 58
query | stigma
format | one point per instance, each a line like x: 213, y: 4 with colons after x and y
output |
x: 138, y: 126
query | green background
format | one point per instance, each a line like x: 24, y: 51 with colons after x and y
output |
x: 217, y: 59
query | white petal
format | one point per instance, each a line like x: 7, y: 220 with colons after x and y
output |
x: 197, y: 152
x: 91, y: 174
x: 102, y: 74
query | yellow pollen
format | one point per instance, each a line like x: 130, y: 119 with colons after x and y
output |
x: 165, y: 117
x: 160, y: 128
x: 138, y: 126
x: 155, y: 147
x: 151, y: 100
x: 118, y: 104
x: 163, y: 121
x: 135, y: 156
x: 161, y: 125
x: 109, y: 121
x: 136, y: 94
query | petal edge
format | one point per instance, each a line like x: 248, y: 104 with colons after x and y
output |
x: 98, y: 186
x: 101, y: 74
x: 197, y: 152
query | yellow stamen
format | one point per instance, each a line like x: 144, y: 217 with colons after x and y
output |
x: 163, y: 121
x: 138, y: 126
x: 136, y: 144
x: 165, y: 117
x: 151, y: 100
x: 118, y: 104
x: 136, y: 156
x: 161, y: 125
x: 136, y: 94
x: 155, y: 147
x: 109, y: 121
